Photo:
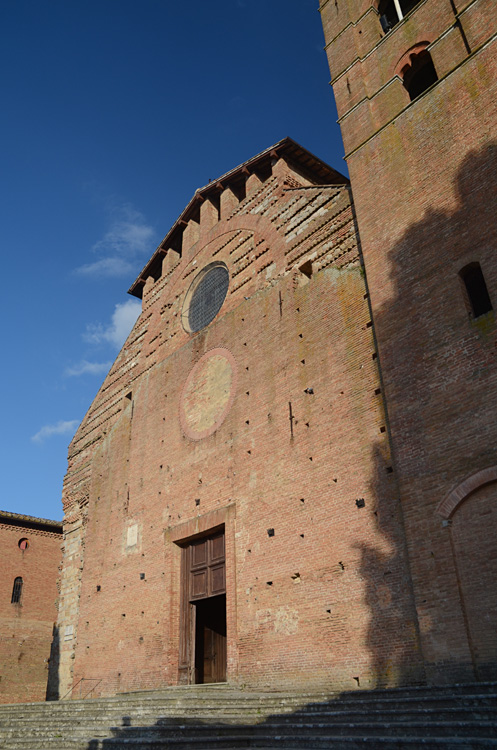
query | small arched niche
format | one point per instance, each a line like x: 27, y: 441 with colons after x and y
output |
x: 418, y: 72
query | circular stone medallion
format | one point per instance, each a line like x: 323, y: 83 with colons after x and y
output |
x: 208, y: 393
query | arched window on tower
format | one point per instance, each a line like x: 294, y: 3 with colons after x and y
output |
x: 393, y: 11
x: 16, y: 591
x: 476, y: 292
x: 419, y: 73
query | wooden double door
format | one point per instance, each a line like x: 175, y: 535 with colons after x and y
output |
x: 203, y: 621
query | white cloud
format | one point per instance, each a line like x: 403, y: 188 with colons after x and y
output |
x: 88, y: 368
x: 129, y: 233
x: 123, y: 320
x: 128, y: 237
x: 106, y: 267
x: 61, y: 428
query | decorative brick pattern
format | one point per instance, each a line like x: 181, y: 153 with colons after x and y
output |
x: 325, y: 598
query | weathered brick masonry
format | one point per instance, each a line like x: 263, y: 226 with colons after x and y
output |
x: 300, y: 489
x: 267, y: 423
x: 424, y: 179
x: 30, y: 557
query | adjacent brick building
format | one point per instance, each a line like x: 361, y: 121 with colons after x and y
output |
x: 30, y: 557
x: 418, y: 112
x: 288, y: 476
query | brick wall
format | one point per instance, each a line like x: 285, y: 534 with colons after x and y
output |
x: 423, y: 176
x: 301, y: 448
x: 26, y: 627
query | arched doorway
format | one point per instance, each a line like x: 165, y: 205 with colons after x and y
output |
x: 474, y: 543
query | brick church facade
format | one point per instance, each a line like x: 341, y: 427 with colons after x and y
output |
x: 288, y: 476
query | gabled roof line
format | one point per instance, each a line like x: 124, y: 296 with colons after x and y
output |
x: 286, y: 147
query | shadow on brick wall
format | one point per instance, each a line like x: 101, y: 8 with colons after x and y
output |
x: 392, y: 634
x: 440, y: 384
x: 53, y: 667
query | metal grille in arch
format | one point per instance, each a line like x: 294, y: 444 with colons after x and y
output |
x: 208, y: 297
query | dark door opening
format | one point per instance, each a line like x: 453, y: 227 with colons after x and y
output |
x: 210, y: 639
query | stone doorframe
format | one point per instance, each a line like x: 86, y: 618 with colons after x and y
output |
x: 446, y: 510
x: 176, y: 538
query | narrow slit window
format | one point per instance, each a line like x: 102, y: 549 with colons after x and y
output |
x: 477, y: 296
x: 16, y: 591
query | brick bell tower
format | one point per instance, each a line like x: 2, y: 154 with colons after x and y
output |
x: 415, y: 83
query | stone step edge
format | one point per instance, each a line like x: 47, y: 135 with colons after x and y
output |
x: 271, y: 743
x: 284, y: 729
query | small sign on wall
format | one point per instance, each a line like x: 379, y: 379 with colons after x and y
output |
x: 132, y: 535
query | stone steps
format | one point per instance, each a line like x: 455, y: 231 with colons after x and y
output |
x: 141, y: 718
x: 460, y: 716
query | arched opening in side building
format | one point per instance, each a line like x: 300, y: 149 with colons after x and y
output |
x: 473, y: 535
x: 470, y: 511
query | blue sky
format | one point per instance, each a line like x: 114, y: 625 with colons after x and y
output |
x: 113, y: 113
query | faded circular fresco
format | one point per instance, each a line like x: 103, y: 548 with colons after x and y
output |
x: 208, y: 394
